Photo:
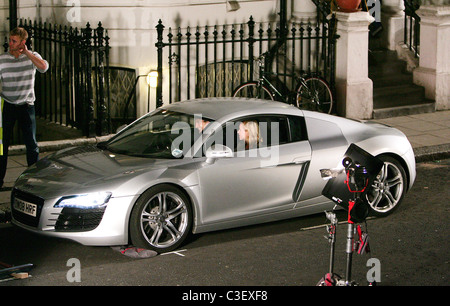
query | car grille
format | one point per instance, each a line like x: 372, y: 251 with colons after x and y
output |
x: 79, y: 220
x: 24, y: 218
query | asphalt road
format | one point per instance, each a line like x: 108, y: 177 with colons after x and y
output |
x: 411, y: 246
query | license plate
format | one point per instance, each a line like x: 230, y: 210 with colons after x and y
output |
x: 25, y: 207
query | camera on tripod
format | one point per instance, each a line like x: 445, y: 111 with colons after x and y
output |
x: 347, y: 186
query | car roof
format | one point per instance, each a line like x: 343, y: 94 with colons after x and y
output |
x: 216, y: 108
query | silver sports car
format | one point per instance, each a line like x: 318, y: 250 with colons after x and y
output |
x: 203, y: 165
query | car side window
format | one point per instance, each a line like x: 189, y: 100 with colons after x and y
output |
x: 297, y: 128
x: 256, y: 132
x: 261, y: 131
x: 276, y: 130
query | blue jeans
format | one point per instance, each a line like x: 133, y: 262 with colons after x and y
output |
x: 26, y: 117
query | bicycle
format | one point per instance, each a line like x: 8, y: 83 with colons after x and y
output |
x: 312, y: 92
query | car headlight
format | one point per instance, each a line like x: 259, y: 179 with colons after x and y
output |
x: 84, y: 201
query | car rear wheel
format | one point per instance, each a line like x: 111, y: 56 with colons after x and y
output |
x: 161, y: 219
x: 388, y: 189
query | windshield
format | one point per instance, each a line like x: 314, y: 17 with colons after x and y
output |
x: 163, y: 134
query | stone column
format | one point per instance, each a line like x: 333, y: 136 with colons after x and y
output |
x: 303, y: 10
x: 433, y: 72
x: 354, y: 89
x: 393, y: 20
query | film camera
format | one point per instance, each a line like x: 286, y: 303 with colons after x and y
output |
x: 347, y: 186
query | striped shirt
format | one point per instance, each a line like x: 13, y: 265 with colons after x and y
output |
x: 17, y: 78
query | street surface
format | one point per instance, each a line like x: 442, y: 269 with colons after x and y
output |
x: 411, y: 246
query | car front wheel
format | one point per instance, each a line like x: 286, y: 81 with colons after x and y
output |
x: 161, y: 219
x: 388, y: 188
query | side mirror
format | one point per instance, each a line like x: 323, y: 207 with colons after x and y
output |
x: 217, y: 151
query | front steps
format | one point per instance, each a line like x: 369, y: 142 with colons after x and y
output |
x: 394, y: 93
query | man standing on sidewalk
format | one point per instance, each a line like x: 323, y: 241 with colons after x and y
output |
x: 17, y: 71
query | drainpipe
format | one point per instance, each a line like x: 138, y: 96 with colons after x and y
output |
x: 283, y: 17
x: 38, y: 10
x: 283, y: 34
x: 12, y: 14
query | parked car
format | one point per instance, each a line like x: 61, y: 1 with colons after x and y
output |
x: 195, y: 166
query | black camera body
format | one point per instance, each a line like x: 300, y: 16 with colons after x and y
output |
x: 357, y: 175
x: 349, y: 187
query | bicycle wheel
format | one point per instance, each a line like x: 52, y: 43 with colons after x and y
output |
x: 250, y: 90
x: 316, y: 95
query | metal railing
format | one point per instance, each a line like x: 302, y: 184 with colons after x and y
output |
x: 411, y: 30
x: 211, y: 61
x: 75, y: 89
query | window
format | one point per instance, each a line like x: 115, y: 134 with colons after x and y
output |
x: 252, y: 132
x: 297, y: 128
x: 162, y: 134
x: 262, y: 131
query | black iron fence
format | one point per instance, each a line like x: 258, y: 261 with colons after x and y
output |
x: 75, y: 90
x: 211, y: 61
x: 411, y: 30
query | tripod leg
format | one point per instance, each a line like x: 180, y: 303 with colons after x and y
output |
x: 349, y: 251
x: 331, y: 236
x: 332, y: 242
x: 330, y: 279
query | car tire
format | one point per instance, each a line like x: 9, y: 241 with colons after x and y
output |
x: 161, y: 219
x: 388, y: 188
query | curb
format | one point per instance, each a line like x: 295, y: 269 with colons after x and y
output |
x: 431, y: 153
x: 49, y: 146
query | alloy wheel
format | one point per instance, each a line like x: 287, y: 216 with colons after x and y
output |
x: 387, y: 189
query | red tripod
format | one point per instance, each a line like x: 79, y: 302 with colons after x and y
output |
x: 356, y: 181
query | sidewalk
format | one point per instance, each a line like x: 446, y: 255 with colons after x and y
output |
x: 428, y: 133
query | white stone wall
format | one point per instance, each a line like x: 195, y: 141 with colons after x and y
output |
x: 434, y: 65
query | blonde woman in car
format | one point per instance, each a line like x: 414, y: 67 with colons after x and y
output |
x: 249, y: 132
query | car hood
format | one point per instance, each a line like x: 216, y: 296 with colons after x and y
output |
x: 89, y: 169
